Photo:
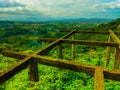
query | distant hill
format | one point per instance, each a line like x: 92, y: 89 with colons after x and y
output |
x: 111, y: 25
x: 65, y: 20
x: 85, y: 20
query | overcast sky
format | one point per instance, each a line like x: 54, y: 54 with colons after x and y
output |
x: 21, y: 9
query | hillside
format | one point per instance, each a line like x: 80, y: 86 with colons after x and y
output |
x: 23, y: 36
x: 111, y: 25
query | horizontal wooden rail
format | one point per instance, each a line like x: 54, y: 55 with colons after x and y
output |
x: 13, y: 54
x: 71, y: 65
x: 83, y: 42
x: 65, y: 64
x: 89, y: 32
x: 113, y: 74
x: 86, y: 31
x: 91, y: 43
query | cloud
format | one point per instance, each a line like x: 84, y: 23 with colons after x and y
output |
x: 63, y: 8
x: 10, y: 3
x: 107, y: 6
x: 59, y: 9
x: 11, y: 7
x: 14, y: 8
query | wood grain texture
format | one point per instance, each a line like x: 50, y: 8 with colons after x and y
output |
x: 99, y: 79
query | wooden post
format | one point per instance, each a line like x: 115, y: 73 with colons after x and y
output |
x: 73, y: 47
x: 60, y: 51
x: 116, y: 58
x: 98, y: 79
x: 108, y: 53
x: 33, y: 72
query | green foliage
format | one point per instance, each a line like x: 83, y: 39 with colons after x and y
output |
x: 2, y: 32
x: 6, y: 62
x: 23, y: 37
x: 18, y: 82
x: 105, y: 27
x: 50, y: 79
x: 111, y: 84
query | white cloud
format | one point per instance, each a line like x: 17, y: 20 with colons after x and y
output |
x: 103, y: 7
x: 10, y: 3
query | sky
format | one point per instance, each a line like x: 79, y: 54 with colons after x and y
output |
x: 57, y: 9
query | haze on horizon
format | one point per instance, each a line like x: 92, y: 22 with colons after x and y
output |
x: 57, y: 9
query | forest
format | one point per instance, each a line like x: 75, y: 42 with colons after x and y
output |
x: 24, y: 37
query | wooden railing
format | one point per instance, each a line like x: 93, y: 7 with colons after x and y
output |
x: 31, y: 60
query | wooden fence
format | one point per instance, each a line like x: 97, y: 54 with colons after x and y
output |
x: 99, y: 73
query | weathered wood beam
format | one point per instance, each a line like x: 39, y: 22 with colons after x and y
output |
x: 113, y: 74
x: 47, y: 39
x: 83, y: 42
x: 10, y: 72
x: 86, y: 31
x: 92, y: 43
x: 99, y: 79
x: 65, y: 64
x: 89, y: 32
x: 68, y: 35
x: 13, y: 54
x: 47, y: 49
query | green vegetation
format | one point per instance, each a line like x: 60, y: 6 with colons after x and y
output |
x: 111, y: 25
x: 23, y: 36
